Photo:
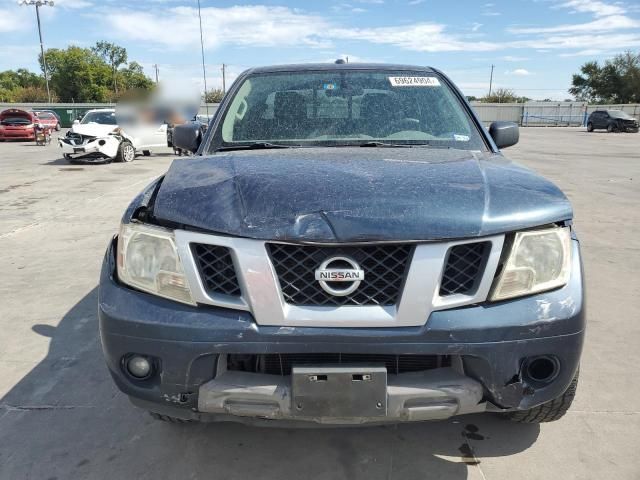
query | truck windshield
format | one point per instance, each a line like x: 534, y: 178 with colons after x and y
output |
x: 102, y: 118
x: 348, y: 108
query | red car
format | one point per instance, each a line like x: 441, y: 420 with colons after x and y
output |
x: 17, y: 125
x: 48, y: 119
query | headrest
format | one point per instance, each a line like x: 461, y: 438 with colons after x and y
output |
x: 289, y: 106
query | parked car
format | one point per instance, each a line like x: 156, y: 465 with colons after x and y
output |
x: 98, y: 138
x: 16, y: 124
x: 612, y: 121
x: 348, y: 246
x: 53, y: 112
x: 48, y: 119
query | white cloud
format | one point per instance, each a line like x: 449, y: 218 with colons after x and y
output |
x: 520, y: 72
x: 476, y: 26
x: 347, y: 7
x: 512, y: 58
x: 254, y: 26
x: 416, y: 2
x: 14, y: 19
x: 604, y: 24
x: 543, y: 44
x: 277, y: 27
x: 589, y: 52
x: 596, y: 7
x: 419, y: 37
x: 73, y: 3
x: 491, y: 14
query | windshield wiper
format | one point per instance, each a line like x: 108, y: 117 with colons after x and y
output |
x: 385, y: 144
x: 256, y: 146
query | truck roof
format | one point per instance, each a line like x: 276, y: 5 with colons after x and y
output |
x: 304, y: 67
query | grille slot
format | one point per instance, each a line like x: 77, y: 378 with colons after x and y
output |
x: 216, y: 268
x: 385, y: 268
x: 281, y: 364
x: 464, y: 267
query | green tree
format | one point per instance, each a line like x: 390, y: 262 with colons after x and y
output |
x: 501, y: 95
x: 20, y: 78
x: 214, y: 95
x: 113, y: 55
x: 133, y: 77
x: 78, y: 75
x: 32, y: 95
x: 617, y: 81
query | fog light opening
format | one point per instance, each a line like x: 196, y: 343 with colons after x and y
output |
x: 101, y: 143
x: 541, y: 369
x: 138, y: 366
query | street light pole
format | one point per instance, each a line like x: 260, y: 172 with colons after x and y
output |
x: 38, y: 4
x: 491, y: 80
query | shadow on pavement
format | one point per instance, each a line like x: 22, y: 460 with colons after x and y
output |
x: 65, y: 419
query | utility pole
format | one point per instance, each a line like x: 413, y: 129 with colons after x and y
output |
x: 491, y: 80
x: 38, y: 4
x: 224, y: 83
x: 204, y: 72
x: 155, y: 66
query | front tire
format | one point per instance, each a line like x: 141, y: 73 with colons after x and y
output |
x: 126, y: 152
x: 550, y: 411
x: 57, y: 127
x: 610, y: 128
x: 589, y: 127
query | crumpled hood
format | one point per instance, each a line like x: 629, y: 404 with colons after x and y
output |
x: 93, y: 129
x: 357, y: 194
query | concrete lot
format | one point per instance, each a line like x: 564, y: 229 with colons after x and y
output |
x: 62, y: 418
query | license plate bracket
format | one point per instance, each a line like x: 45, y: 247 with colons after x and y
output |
x: 339, y: 391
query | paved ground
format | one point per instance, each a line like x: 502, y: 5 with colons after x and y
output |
x: 61, y: 417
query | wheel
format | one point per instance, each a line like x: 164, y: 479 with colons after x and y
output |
x: 589, y: 127
x: 168, y: 419
x: 57, y: 127
x: 610, y: 128
x: 146, y: 153
x: 126, y: 152
x: 550, y: 411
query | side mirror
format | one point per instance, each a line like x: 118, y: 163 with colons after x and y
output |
x: 76, y: 122
x: 187, y: 136
x: 504, y: 134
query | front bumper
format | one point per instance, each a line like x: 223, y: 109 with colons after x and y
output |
x: 98, y: 149
x: 489, y: 343
x: 18, y: 134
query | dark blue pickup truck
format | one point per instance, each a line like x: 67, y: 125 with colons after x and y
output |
x: 347, y: 246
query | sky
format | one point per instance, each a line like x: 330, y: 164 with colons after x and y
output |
x: 535, y: 45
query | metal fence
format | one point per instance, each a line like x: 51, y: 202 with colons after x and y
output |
x: 558, y: 114
x: 529, y: 114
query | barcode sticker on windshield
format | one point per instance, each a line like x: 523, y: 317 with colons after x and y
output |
x: 414, y: 81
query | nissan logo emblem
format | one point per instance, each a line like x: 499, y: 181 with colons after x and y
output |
x: 351, y: 277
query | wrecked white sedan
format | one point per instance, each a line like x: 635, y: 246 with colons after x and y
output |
x: 98, y: 138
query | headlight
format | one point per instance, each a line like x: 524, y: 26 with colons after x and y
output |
x: 148, y: 260
x: 539, y: 260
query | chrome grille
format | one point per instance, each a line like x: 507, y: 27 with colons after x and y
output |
x: 216, y: 268
x: 384, y: 266
x: 464, y: 267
